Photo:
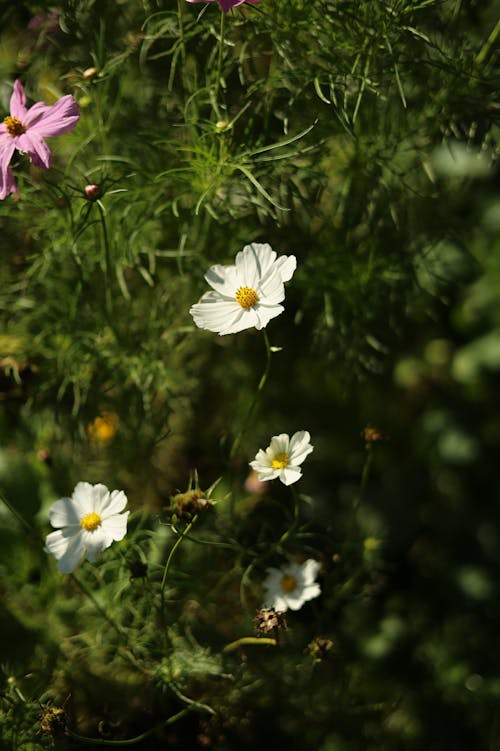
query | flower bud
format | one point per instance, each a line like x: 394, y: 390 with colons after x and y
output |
x: 92, y: 191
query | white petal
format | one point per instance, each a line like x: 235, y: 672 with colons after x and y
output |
x: 279, y: 445
x: 286, y: 266
x: 276, y: 601
x: 300, y: 447
x: 254, y: 261
x: 112, y: 504
x: 215, y: 314
x: 310, y: 570
x: 64, y: 513
x: 116, y: 526
x: 271, y: 289
x: 289, y: 475
x: 264, y: 313
x: 295, y: 603
x: 100, y: 496
x: 83, y: 498
x: 95, y: 542
x: 247, y: 319
x: 66, y: 546
x: 225, y: 280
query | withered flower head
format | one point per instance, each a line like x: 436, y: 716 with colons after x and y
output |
x: 52, y: 720
x: 269, y: 619
x: 190, y: 503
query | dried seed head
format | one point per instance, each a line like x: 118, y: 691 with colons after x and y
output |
x: 319, y: 648
x: 269, y: 619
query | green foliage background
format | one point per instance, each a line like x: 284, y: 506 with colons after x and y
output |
x: 361, y: 136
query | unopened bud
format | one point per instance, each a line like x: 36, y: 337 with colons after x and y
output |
x: 89, y: 73
x: 92, y: 191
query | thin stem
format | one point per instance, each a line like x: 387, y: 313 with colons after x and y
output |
x: 107, y: 261
x: 182, y: 535
x: 249, y: 640
x: 127, y: 741
x: 295, y: 519
x: 219, y: 61
x: 116, y: 626
x: 262, y: 382
x: 16, y: 513
x: 181, y: 30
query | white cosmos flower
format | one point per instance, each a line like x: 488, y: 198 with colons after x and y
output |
x: 292, y: 585
x: 282, y: 457
x: 87, y: 523
x: 246, y: 295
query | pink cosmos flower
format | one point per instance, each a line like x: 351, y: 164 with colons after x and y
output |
x: 25, y: 130
x: 225, y: 4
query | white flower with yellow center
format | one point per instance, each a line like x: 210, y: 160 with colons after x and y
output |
x: 283, y: 457
x: 246, y: 295
x: 292, y: 585
x: 87, y: 523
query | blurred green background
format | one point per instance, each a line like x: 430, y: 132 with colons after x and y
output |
x: 361, y: 136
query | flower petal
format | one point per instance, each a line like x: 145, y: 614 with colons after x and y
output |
x: 67, y: 547
x: 112, y: 503
x: 289, y: 475
x: 279, y: 445
x: 300, y: 447
x: 286, y: 266
x: 53, y: 120
x: 18, y: 102
x: 310, y: 569
x: 36, y: 148
x: 83, y: 498
x: 266, y: 313
x: 7, y: 183
x: 64, y: 513
x: 225, y: 280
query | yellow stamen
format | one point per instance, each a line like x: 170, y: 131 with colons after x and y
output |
x: 14, y: 126
x: 288, y: 583
x: 280, y: 461
x: 103, y: 428
x: 246, y: 297
x: 90, y: 522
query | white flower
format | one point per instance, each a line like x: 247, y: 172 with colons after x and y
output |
x: 247, y: 294
x: 292, y: 585
x: 87, y: 523
x: 282, y: 457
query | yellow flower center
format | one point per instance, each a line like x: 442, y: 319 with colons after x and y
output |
x: 280, y: 461
x: 246, y: 297
x: 14, y: 126
x: 90, y: 522
x: 288, y: 583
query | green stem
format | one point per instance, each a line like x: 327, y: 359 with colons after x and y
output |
x: 107, y: 260
x: 219, y: 61
x: 182, y: 535
x: 16, y: 513
x: 263, y: 379
x: 116, y: 626
x: 181, y: 30
x: 127, y: 741
x: 249, y: 640
x: 295, y: 519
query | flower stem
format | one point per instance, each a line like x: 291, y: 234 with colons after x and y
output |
x: 20, y: 518
x: 219, y: 61
x: 116, y: 626
x: 181, y: 30
x: 108, y: 300
x: 249, y: 640
x: 182, y: 535
x: 262, y: 382
x: 295, y: 519
x: 127, y: 741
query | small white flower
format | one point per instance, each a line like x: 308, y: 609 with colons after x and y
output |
x: 87, y: 523
x: 246, y: 295
x: 282, y: 457
x: 292, y: 585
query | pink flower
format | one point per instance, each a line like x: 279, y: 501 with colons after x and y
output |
x: 225, y: 4
x: 25, y: 130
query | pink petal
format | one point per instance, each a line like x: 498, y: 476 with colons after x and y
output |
x: 53, y: 120
x: 18, y: 102
x: 36, y: 148
x: 7, y: 183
